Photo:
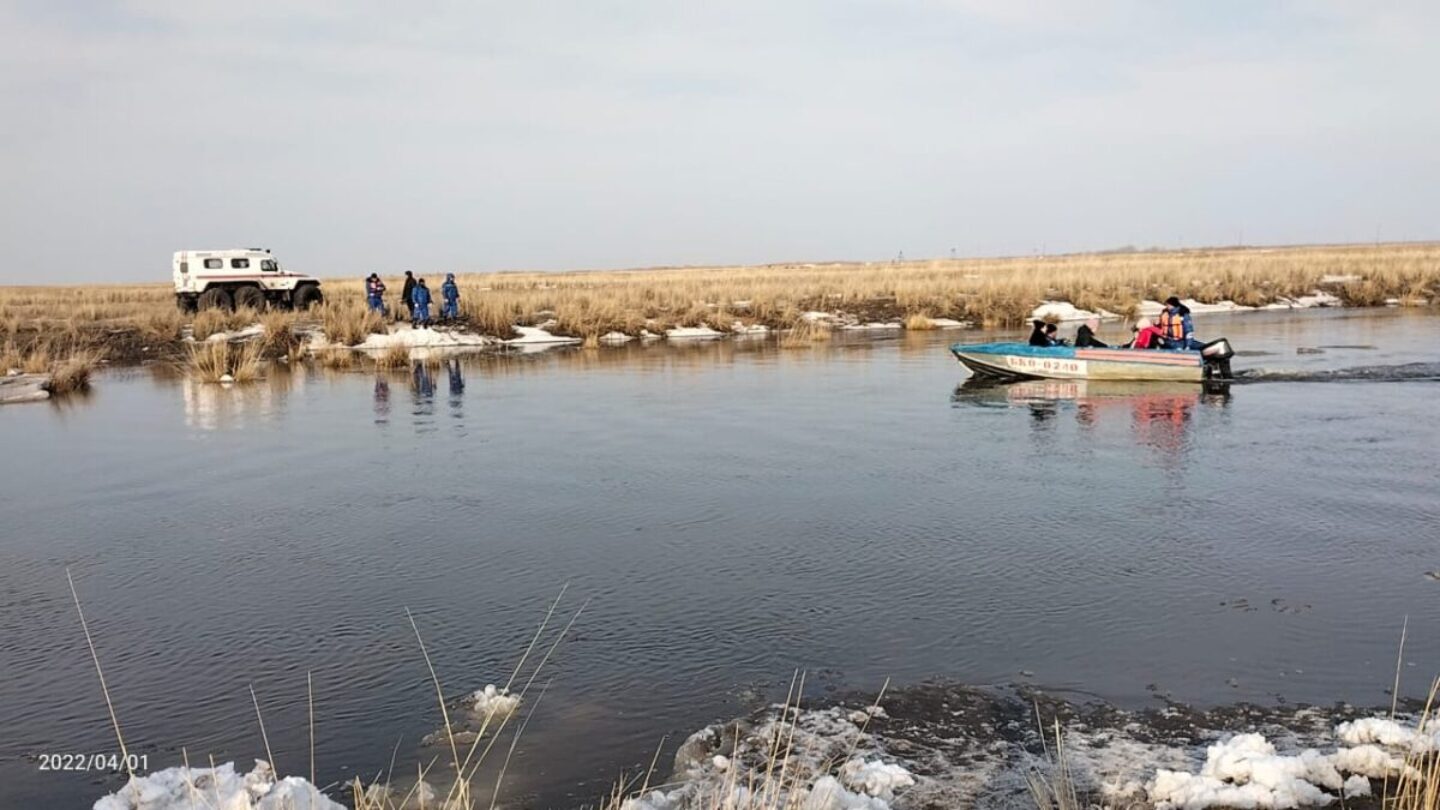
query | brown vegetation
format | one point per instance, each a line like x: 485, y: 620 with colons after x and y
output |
x: 139, y: 321
x: 214, y: 361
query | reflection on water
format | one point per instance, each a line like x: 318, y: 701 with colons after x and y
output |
x: 1160, y: 415
x: 216, y: 406
x: 737, y: 510
x: 382, y: 399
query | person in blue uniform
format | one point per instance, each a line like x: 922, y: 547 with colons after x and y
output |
x: 450, y: 294
x: 421, y: 299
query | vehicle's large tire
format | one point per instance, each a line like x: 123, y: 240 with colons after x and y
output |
x: 250, y: 297
x: 215, y: 298
x: 307, y: 296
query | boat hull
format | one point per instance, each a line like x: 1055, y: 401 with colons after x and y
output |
x: 1022, y: 361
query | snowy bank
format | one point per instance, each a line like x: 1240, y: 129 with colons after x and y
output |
x: 220, y: 788
x: 693, y: 333
x: 535, y: 336
x: 412, y: 338
x: 1318, y: 298
x: 957, y: 746
x: 19, y: 387
x: 1066, y: 311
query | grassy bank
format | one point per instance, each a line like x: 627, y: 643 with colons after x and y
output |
x: 138, y: 321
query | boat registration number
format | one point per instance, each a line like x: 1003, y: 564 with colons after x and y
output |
x: 1052, y: 365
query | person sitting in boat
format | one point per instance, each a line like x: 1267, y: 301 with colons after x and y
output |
x: 1038, y: 336
x: 1176, y: 329
x: 1085, y: 336
x: 1052, y: 334
x: 1147, y: 335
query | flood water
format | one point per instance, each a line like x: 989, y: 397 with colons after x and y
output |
x: 732, y: 511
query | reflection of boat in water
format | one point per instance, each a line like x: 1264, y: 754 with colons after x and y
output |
x: 1023, y: 361
x: 1002, y: 393
x: 1159, y: 413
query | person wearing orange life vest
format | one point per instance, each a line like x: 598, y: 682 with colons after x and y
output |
x: 1176, y: 329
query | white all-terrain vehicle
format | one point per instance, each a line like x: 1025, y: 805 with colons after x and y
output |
x: 244, y: 277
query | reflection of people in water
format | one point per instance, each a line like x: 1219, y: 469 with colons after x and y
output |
x: 457, y: 382
x: 382, y: 399
x: 423, y: 384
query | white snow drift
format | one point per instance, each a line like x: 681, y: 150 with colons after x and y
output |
x: 221, y: 788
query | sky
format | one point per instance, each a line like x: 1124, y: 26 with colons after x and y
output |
x: 352, y: 136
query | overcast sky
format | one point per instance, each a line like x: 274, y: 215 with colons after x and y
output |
x: 353, y: 135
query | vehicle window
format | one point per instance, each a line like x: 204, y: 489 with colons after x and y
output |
x: 267, y: 264
x: 239, y: 264
x: 214, y: 264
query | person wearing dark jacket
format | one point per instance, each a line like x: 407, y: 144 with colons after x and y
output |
x: 420, y: 304
x: 1085, y: 336
x: 1038, y: 336
x: 407, y: 293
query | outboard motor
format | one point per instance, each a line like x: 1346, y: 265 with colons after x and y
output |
x: 1216, y: 355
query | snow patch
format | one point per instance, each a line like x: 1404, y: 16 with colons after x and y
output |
x: 615, y: 338
x: 876, y: 778
x: 493, y: 703
x: 250, y: 332
x: 873, y: 326
x: 531, y: 335
x: 1066, y: 311
x: 1385, y: 732
x: 1246, y: 772
x: 424, y: 338
x: 181, y: 788
x: 948, y: 323
x: 693, y: 333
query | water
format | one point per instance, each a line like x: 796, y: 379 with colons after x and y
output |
x: 733, y: 512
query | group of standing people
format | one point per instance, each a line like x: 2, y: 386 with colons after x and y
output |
x: 415, y: 295
x: 1172, y: 329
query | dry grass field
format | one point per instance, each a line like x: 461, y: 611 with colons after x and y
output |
x: 46, y: 326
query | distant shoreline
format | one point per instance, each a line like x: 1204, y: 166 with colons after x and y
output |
x: 796, y: 303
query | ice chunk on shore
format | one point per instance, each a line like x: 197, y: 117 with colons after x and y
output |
x: 876, y: 778
x: 425, y: 338
x: 1385, y: 732
x: 181, y: 788
x: 1246, y: 772
x: 693, y: 333
x: 530, y: 335
x: 494, y: 703
x: 254, y: 330
x: 1066, y: 311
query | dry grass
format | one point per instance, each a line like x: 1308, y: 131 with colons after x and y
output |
x: 992, y: 292
x: 338, y: 359
x: 394, y: 357
x: 214, y: 321
x: 1418, y: 786
x: 349, y: 322
x: 803, y: 332
x: 279, y: 339
x: 213, y: 361
x: 1051, y: 784
x: 73, y: 373
x: 919, y: 322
